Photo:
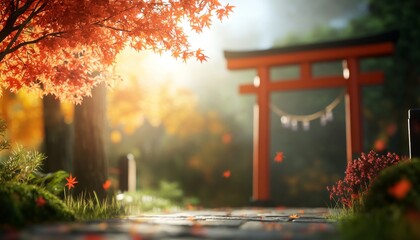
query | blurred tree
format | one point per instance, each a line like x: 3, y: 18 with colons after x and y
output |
x: 57, y: 136
x: 405, y: 87
x: 65, y: 48
x: 22, y: 113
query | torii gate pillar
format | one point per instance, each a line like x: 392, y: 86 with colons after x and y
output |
x: 260, y: 171
x: 349, y: 51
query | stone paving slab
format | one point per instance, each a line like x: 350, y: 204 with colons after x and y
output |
x: 202, y: 224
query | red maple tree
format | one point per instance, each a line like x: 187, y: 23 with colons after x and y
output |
x: 66, y: 47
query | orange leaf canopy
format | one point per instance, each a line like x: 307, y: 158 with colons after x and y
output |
x: 65, y: 47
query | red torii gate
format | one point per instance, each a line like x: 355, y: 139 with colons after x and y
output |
x: 349, y: 51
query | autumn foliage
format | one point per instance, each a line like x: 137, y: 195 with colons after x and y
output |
x: 65, y: 47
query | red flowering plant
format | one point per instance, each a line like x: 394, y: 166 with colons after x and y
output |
x: 358, y: 176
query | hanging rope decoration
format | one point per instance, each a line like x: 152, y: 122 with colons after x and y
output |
x: 292, y: 121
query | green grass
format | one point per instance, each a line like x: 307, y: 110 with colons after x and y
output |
x: 167, y: 197
x: 89, y: 207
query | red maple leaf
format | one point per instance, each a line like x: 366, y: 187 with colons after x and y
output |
x: 227, y: 138
x: 71, y: 181
x: 200, y: 56
x: 106, y: 185
x: 279, y: 157
x: 400, y: 189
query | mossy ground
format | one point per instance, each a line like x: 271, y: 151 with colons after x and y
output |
x: 23, y: 204
x: 383, y: 215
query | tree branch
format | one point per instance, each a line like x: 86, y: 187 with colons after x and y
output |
x: 14, y: 15
x: 20, y: 28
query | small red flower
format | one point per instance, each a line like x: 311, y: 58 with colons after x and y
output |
x: 354, y: 196
x: 106, y: 185
x: 71, y: 181
x: 40, y: 201
x: 226, y: 174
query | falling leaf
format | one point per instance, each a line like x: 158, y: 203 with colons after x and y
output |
x: 279, y: 157
x: 227, y: 138
x: 200, y: 56
x: 380, y: 145
x: 93, y: 236
x: 71, y: 181
x: 226, y: 174
x: 280, y: 208
x: 197, y: 229
x: 190, y: 207
x: 400, y: 189
x: 106, y: 185
x: 40, y: 201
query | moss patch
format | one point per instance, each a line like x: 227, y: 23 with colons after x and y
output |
x: 397, y: 186
x: 391, y: 207
x: 23, y: 204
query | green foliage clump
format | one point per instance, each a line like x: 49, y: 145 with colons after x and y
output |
x: 23, y: 204
x: 26, y: 195
x: 20, y: 165
x: 52, y: 182
x: 380, y: 195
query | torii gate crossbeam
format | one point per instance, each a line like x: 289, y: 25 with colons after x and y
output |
x: 350, y: 51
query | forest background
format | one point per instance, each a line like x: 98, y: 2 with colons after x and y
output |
x: 186, y: 122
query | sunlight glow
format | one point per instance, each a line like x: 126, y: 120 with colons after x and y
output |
x: 147, y: 67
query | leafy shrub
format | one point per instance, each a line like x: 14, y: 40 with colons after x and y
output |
x: 26, y: 195
x: 52, y: 182
x: 23, y: 204
x: 358, y: 176
x: 397, y: 186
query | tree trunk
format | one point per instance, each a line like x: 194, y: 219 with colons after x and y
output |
x: 90, y: 165
x: 57, y: 137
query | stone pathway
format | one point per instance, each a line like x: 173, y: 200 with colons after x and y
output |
x: 310, y: 223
